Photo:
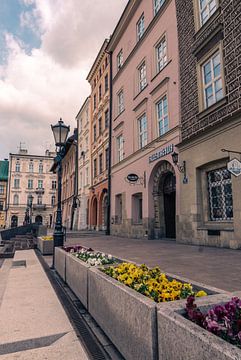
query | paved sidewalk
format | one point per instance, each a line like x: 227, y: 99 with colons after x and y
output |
x: 217, y: 267
x: 33, y: 322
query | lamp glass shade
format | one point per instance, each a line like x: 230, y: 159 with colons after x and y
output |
x: 60, y: 131
x: 175, y: 158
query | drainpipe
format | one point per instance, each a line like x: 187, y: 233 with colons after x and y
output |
x: 74, y: 203
x: 109, y: 151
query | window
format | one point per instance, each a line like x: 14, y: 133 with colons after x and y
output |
x: 94, y: 101
x: 100, y: 126
x: 30, y: 183
x: 140, y: 27
x: 54, y: 184
x: 120, y: 59
x: 161, y: 54
x: 106, y: 62
x: 39, y: 200
x: 106, y: 158
x: 157, y: 5
x: 100, y: 163
x: 106, y: 83
x: 95, y: 133
x: 29, y: 200
x: 53, y: 200
x: 206, y: 9
x: 220, y: 195
x: 87, y: 176
x: 30, y: 167
x: 106, y: 119
x: 40, y: 168
x: 40, y: 184
x: 162, y: 115
x: 100, y: 92
x: 142, y: 131
x: 100, y: 72
x: 16, y: 183
x: 1, y: 205
x: 120, y: 148
x: 15, y: 199
x: 142, y: 76
x: 120, y: 101
x: 17, y: 167
x: 212, y: 80
x: 137, y: 208
x: 1, y: 189
x: 95, y: 167
x: 118, y: 209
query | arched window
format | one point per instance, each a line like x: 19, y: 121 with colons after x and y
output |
x: 31, y: 167
x: 17, y: 168
x: 52, y: 200
x: 40, y: 168
x: 16, y: 199
x: 40, y: 199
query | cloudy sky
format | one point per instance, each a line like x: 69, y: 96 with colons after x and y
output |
x: 46, y: 50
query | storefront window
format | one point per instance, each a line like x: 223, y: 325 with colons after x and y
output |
x: 220, y: 195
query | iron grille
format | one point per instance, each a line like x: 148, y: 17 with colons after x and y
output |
x: 220, y: 194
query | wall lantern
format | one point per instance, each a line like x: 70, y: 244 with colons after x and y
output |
x: 181, y: 167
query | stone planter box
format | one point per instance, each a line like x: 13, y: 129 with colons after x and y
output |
x: 179, y: 338
x: 45, y: 246
x: 77, y: 277
x: 60, y: 262
x: 127, y: 317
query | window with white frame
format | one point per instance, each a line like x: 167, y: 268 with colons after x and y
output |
x: 15, y: 199
x: 220, y: 194
x: 120, y: 59
x: 120, y: 148
x: 140, y: 27
x: 30, y: 183
x: 16, y: 183
x: 17, y: 167
x: 120, y: 101
x: 41, y: 168
x: 142, y: 131
x: 206, y: 9
x: 157, y: 5
x: 212, y: 80
x: 162, y: 115
x: 161, y: 54
x: 39, y: 200
x: 40, y: 184
x: 142, y: 76
x: 30, y: 167
x: 1, y: 189
x: 54, y: 184
x: 53, y: 200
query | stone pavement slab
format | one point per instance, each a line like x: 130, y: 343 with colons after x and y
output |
x: 33, y: 322
x: 216, y: 267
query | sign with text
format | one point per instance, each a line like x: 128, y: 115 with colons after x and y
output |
x: 234, y: 167
x: 132, y: 177
x: 163, y: 152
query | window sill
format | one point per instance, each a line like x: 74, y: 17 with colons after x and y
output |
x: 212, y: 108
x: 203, y: 28
x: 160, y: 71
x: 217, y: 225
x: 140, y: 92
x: 119, y: 114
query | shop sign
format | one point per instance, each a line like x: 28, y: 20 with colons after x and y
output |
x: 234, y: 167
x: 163, y: 152
x: 132, y: 177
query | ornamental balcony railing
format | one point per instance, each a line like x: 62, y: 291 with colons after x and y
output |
x: 39, y: 191
x: 39, y: 206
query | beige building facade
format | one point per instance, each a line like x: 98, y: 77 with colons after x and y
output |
x: 31, y: 186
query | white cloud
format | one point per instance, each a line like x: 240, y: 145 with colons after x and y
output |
x: 37, y: 89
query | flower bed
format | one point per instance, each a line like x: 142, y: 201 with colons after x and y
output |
x: 221, y: 320
x: 75, y: 248
x: 95, y: 258
x: 152, y: 282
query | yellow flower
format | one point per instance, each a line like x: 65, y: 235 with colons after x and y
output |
x: 201, y: 293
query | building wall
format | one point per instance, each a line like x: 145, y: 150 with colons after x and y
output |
x: 44, y: 210
x: 136, y: 160
x: 205, y: 132
x: 84, y: 165
x: 99, y: 143
x: 3, y: 202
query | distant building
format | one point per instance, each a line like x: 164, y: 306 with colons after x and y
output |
x: 99, y: 79
x: 31, y: 189
x: 84, y: 165
x: 3, y: 191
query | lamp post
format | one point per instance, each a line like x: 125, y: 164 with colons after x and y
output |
x: 30, y: 205
x: 60, y: 132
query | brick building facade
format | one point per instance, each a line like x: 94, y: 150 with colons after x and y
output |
x: 210, y: 77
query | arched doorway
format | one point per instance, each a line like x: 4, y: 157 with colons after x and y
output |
x: 14, y: 221
x: 94, y: 213
x: 164, y: 197
x: 39, y: 219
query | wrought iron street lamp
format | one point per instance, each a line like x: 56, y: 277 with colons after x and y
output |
x: 181, y: 167
x: 60, y: 131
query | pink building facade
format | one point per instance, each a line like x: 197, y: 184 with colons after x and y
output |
x: 145, y: 121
